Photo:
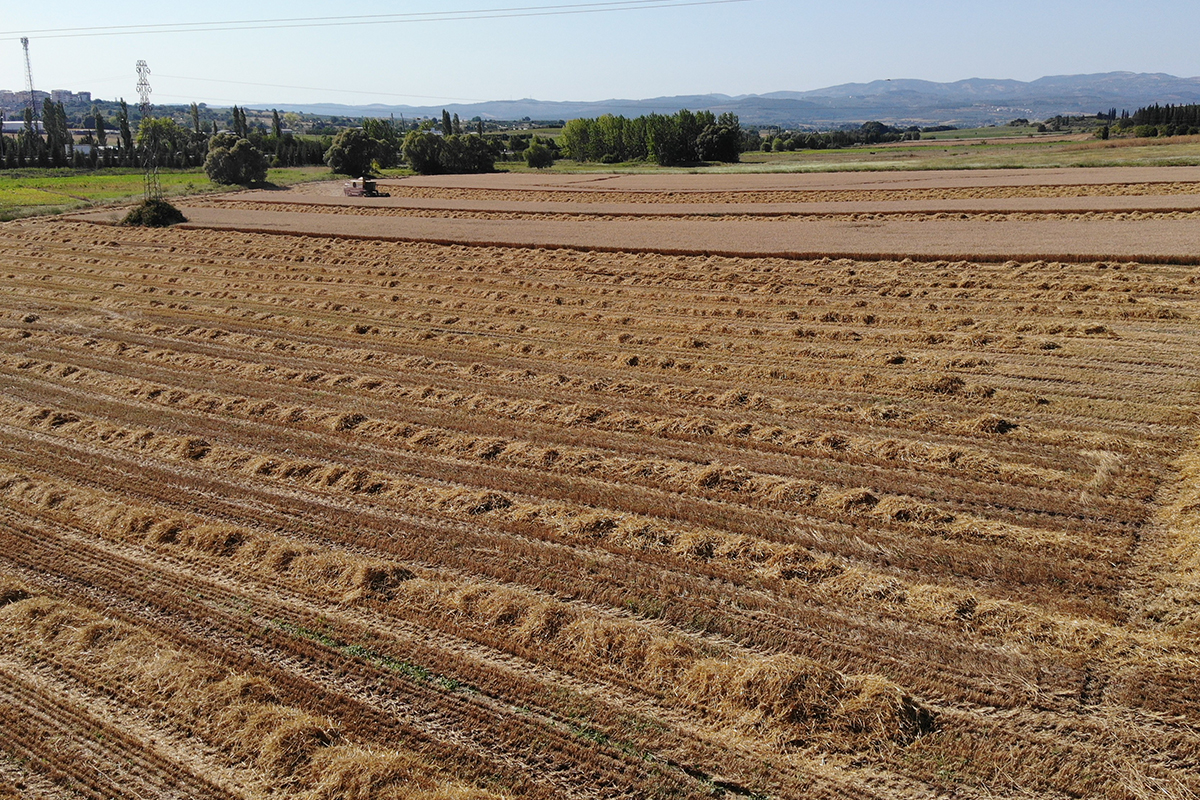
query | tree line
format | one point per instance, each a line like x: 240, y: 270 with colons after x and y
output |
x: 111, y: 141
x: 669, y: 140
x: 872, y: 132
x: 1168, y: 120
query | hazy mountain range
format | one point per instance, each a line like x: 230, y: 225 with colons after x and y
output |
x: 902, y: 101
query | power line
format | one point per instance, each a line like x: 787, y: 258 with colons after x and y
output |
x: 326, y: 89
x: 417, y: 16
x: 373, y: 19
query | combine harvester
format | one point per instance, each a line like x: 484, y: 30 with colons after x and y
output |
x: 362, y: 187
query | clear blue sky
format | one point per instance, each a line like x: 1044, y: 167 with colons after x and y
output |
x: 748, y: 47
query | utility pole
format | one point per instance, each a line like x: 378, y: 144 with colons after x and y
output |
x: 143, y: 88
x: 150, y: 148
x: 29, y: 82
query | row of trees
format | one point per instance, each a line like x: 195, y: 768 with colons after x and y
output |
x: 430, y: 154
x: 52, y: 144
x: 869, y: 133
x: 111, y: 142
x: 1168, y: 120
x: 378, y: 145
x: 669, y: 140
x: 234, y: 157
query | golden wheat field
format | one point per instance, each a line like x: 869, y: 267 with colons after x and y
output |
x: 304, y: 514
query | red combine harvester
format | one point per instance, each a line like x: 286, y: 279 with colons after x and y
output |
x: 361, y: 187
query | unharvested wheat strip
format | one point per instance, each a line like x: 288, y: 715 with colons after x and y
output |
x: 724, y: 214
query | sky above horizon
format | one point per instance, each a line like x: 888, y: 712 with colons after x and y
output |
x: 477, y: 50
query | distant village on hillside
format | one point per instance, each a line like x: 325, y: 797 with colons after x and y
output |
x: 14, y: 103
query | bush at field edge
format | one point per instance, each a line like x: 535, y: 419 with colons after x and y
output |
x: 154, y: 214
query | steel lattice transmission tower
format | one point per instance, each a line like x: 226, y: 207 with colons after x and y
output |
x: 29, y: 82
x: 150, y: 144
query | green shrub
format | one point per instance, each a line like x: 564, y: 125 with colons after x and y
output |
x: 538, y: 156
x: 355, y: 152
x: 154, y: 214
x: 232, y: 160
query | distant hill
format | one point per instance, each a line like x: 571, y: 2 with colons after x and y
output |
x: 976, y: 101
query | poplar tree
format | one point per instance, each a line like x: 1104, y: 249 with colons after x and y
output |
x: 101, y: 136
x: 54, y: 120
x: 447, y: 126
x: 239, y: 122
x: 126, y: 133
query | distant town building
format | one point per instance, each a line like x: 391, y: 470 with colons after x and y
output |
x: 12, y: 127
x: 67, y: 97
x: 13, y: 103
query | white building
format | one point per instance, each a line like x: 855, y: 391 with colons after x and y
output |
x: 14, y: 126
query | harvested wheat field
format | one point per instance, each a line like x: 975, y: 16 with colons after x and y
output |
x: 1145, y: 214
x: 321, y: 516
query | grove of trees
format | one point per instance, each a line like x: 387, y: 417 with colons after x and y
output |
x: 111, y: 135
x: 669, y: 140
x: 1168, y: 120
x: 868, y: 133
x: 538, y: 155
x: 234, y: 160
x: 431, y: 154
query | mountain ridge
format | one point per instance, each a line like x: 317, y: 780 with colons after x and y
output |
x: 904, y: 101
